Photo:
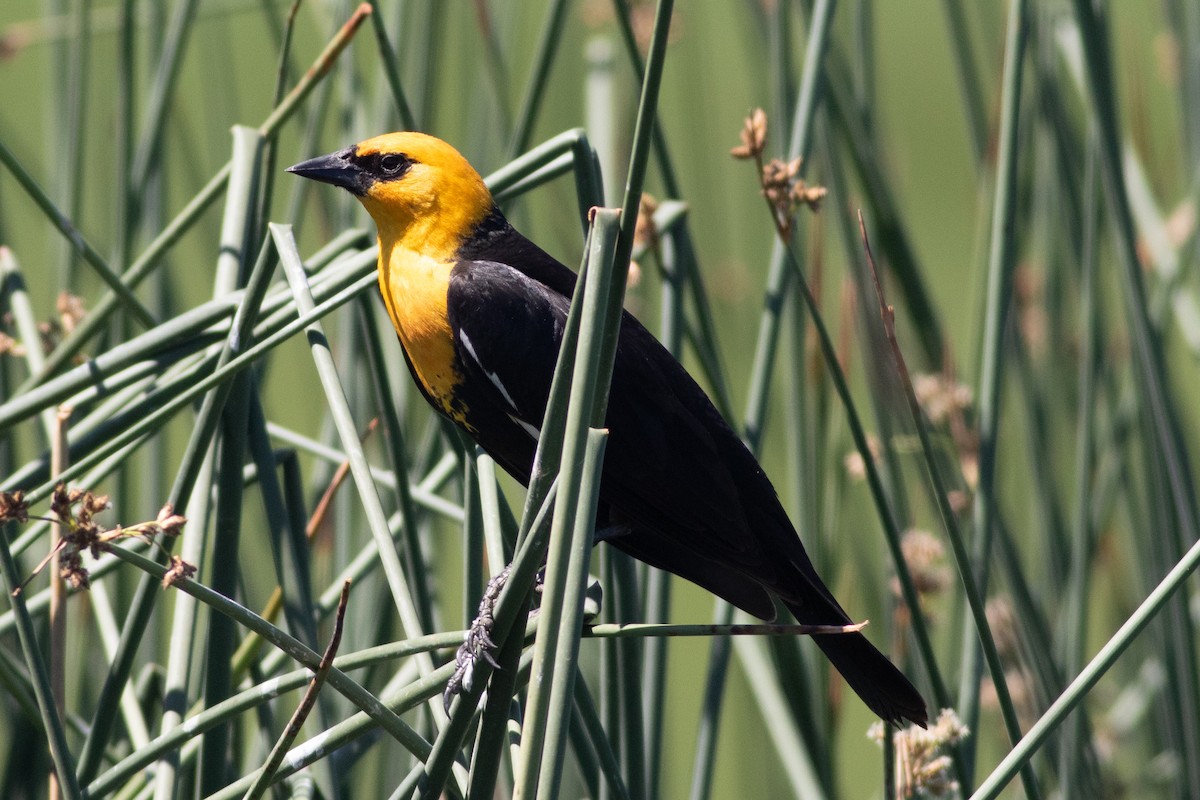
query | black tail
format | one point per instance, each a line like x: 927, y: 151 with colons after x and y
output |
x: 876, y: 680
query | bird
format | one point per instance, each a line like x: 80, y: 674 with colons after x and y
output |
x: 480, y: 310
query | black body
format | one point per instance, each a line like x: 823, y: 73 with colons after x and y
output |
x: 690, y: 497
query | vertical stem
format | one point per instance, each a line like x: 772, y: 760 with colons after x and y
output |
x: 547, y: 47
x: 237, y: 226
x: 559, y: 624
x: 51, y: 719
x: 76, y: 99
x: 58, y: 588
x: 777, y: 287
x: 889, y: 763
x: 160, y: 98
x: 186, y: 620
x: 1075, y: 608
x: 968, y: 77
x: 1174, y: 491
x: 391, y: 69
x: 1002, y: 257
x: 562, y: 686
x: 779, y: 277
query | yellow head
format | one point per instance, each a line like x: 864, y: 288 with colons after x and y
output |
x: 422, y: 194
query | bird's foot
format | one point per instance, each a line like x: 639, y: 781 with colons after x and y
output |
x: 478, y: 643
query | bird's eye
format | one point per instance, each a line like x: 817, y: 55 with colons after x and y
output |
x: 392, y: 163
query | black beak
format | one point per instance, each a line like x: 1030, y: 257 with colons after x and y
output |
x: 338, y: 169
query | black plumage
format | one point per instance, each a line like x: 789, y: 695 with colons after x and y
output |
x: 480, y: 311
x: 689, y: 495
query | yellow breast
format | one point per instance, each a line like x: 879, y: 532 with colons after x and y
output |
x: 414, y: 290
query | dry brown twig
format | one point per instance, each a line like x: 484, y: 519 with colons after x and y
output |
x: 267, y: 773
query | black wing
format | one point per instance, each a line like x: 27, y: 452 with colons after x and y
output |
x: 665, y: 476
x: 694, y: 500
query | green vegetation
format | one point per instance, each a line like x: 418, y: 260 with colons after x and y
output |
x: 1001, y: 481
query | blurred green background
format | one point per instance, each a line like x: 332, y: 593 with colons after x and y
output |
x: 465, y: 70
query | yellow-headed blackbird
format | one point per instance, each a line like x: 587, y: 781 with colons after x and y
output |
x: 480, y: 311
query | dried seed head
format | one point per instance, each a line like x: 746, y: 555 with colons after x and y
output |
x: 775, y: 174
x: 10, y: 345
x: 926, y: 559
x: 786, y: 191
x: 179, y: 570
x: 1029, y: 281
x: 70, y: 310
x: 805, y: 195
x: 94, y: 503
x: 75, y: 509
x: 1002, y: 619
x: 780, y: 180
x: 960, y: 501
x: 169, y: 522
x: 940, y: 396
x: 71, y: 569
x: 645, y: 233
x: 855, y: 467
x: 13, y: 507
x: 753, y: 135
x: 922, y: 770
x: 969, y: 464
x: 14, y: 40
x: 61, y: 501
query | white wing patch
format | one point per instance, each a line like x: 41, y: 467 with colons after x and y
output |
x: 533, y: 431
x: 491, y: 376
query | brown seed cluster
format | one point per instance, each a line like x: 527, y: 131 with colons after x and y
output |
x: 178, y: 571
x: 69, y: 310
x: 946, y: 401
x: 856, y: 468
x: 13, y: 507
x: 75, y: 510
x: 922, y: 768
x: 926, y: 559
x: 645, y: 232
x: 1004, y: 623
x: 940, y: 396
x: 10, y: 345
x: 785, y: 191
x: 754, y: 136
x: 601, y: 14
x: 646, y: 238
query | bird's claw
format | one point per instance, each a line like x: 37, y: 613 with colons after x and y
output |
x: 478, y: 642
